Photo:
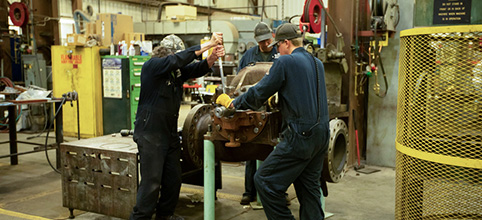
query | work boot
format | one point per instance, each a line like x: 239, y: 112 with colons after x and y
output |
x: 170, y: 217
x: 246, y: 200
x: 288, y: 200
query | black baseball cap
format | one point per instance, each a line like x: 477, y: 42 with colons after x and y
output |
x: 286, y: 31
x: 262, y: 32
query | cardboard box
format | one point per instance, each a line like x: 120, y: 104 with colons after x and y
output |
x: 111, y: 27
x: 76, y: 39
x: 128, y: 37
x: 181, y: 12
x: 90, y: 28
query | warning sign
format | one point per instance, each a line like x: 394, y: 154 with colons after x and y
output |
x: 452, y: 11
x: 74, y: 59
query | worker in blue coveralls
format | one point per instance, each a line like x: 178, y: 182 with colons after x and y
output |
x: 262, y: 53
x: 299, y: 79
x: 155, y: 131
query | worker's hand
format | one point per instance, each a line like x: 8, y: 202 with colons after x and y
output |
x: 216, y: 39
x: 225, y: 101
x: 218, y: 51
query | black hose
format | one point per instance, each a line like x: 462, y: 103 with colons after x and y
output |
x: 47, y: 137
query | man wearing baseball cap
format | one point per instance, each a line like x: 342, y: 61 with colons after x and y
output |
x: 299, y: 79
x: 263, y: 34
x: 262, y: 53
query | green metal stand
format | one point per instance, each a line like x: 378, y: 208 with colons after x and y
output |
x: 209, y: 185
x: 327, y: 214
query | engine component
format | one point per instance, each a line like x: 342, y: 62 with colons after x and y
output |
x: 247, y: 77
x: 197, y: 124
x: 336, y: 160
x: 386, y: 14
x: 248, y: 127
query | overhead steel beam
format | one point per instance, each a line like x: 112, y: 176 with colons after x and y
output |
x: 203, y: 10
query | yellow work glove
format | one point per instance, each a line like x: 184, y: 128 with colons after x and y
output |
x: 224, y: 100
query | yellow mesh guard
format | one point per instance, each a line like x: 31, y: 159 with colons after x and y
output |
x: 439, y: 124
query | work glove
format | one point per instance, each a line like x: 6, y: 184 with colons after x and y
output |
x: 224, y: 100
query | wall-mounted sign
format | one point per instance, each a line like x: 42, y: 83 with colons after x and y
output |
x: 451, y: 11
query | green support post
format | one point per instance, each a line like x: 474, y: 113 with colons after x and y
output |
x: 209, y: 185
x: 258, y: 200
x: 327, y: 214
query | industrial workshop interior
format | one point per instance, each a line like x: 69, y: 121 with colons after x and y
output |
x: 221, y: 109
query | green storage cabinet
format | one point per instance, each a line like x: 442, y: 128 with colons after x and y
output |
x: 135, y: 64
x: 121, y: 83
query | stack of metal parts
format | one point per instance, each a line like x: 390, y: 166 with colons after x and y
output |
x: 439, y: 126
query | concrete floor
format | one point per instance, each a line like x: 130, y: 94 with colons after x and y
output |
x: 32, y: 190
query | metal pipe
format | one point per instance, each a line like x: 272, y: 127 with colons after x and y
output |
x: 258, y: 200
x: 222, y: 74
x: 209, y: 183
x: 78, y: 120
x: 248, y: 7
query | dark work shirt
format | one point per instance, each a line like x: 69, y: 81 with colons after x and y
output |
x: 161, y: 83
x: 254, y: 55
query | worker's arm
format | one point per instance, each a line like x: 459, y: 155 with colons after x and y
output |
x: 199, y: 69
x: 216, y: 39
x: 257, y: 95
x: 165, y: 65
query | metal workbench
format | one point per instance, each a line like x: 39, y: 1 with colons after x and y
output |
x: 12, y: 116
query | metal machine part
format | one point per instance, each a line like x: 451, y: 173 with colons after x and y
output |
x: 34, y: 70
x: 336, y: 160
x: 194, y: 128
x: 197, y: 124
x: 312, y: 21
x: 386, y: 14
x: 257, y: 127
x: 247, y: 77
x: 249, y: 135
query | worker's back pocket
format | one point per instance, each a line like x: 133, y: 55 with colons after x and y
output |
x: 302, y: 140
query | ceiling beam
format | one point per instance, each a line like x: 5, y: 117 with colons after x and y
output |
x: 203, y: 10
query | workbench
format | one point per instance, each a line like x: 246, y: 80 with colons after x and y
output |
x: 12, y: 116
x: 100, y: 175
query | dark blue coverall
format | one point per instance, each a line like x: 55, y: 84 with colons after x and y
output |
x: 252, y: 55
x: 298, y: 157
x: 156, y: 131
